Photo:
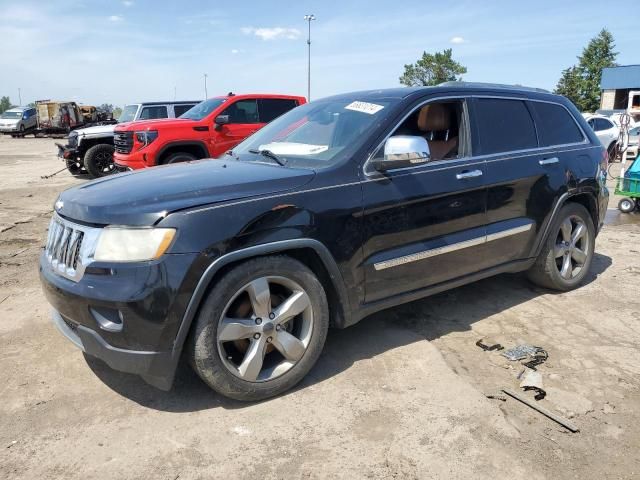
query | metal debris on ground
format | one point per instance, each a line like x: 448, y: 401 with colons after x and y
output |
x: 535, y: 355
x: 532, y: 380
x: 547, y: 413
x: 488, y: 344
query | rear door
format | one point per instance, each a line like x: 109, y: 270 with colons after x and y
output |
x: 271, y: 108
x: 243, y: 121
x: 525, y: 180
x: 425, y: 224
x: 152, y: 112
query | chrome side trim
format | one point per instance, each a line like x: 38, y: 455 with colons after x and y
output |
x: 414, y: 257
x: 509, y: 232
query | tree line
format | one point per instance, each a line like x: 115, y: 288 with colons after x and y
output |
x: 580, y: 83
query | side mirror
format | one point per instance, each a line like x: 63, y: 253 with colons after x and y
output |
x: 403, y: 151
x: 221, y: 120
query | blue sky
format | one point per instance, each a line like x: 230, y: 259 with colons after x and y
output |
x: 115, y: 51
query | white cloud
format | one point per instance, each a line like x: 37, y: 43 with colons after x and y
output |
x: 127, y: 3
x: 116, y: 18
x: 235, y: 50
x: 273, y: 33
x: 457, y: 40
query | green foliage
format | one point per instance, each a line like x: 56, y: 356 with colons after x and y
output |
x: 432, y: 69
x: 117, y: 111
x: 105, y: 108
x: 581, y: 83
x: 5, y: 104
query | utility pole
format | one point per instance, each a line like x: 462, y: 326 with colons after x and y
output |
x: 309, y: 18
x: 19, y: 98
x: 174, y: 93
x: 205, y: 87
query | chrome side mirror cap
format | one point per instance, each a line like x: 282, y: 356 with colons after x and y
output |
x: 403, y: 151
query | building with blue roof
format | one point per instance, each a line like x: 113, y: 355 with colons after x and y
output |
x: 616, y: 83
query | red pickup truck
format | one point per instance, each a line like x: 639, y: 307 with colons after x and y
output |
x: 206, y: 131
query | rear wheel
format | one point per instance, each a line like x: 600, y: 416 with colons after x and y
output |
x: 627, y: 205
x: 567, y: 253
x: 261, y: 329
x: 179, y: 157
x: 99, y: 160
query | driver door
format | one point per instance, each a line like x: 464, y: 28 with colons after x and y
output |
x: 243, y: 121
x: 426, y: 224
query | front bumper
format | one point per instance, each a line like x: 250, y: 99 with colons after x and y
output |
x: 67, y: 152
x: 11, y: 129
x: 130, y: 161
x: 128, y: 316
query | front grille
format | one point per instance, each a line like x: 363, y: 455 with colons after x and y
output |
x: 69, y: 248
x: 123, y: 142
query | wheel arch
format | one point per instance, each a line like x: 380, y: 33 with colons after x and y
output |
x: 585, y: 198
x: 194, y: 147
x: 308, y: 251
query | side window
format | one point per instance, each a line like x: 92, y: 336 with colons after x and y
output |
x: 242, y: 111
x: 32, y: 112
x: 272, y: 108
x: 602, y: 124
x: 443, y: 124
x: 180, y: 109
x: 504, y: 125
x: 151, y: 112
x: 556, y: 126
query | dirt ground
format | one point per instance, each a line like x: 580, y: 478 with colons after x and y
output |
x: 401, y: 395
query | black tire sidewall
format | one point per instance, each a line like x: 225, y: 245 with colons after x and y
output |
x: 569, y: 210
x: 90, y: 159
x: 204, y: 355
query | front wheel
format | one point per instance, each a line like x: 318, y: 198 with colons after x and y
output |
x: 567, y: 252
x: 179, y: 157
x: 99, y: 160
x: 627, y: 205
x: 261, y: 329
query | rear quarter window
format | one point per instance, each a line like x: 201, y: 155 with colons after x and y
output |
x: 504, y: 125
x: 556, y: 126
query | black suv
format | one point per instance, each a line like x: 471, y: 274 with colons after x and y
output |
x: 338, y: 209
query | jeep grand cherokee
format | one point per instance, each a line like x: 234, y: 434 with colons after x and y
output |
x: 337, y: 209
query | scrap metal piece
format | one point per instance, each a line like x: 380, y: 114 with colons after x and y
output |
x: 519, y: 352
x: 488, y: 344
x: 547, y: 413
x: 532, y: 380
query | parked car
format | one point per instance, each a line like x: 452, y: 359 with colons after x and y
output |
x: 634, y: 140
x: 206, y: 131
x: 90, y: 150
x: 606, y: 131
x: 337, y: 209
x: 18, y: 120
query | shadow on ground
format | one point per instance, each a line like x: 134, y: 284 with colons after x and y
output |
x: 383, y: 331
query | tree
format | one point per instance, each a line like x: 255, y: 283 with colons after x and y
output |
x: 581, y: 82
x: 432, y: 69
x: 105, y: 108
x: 569, y: 84
x: 117, y: 112
x: 5, y: 104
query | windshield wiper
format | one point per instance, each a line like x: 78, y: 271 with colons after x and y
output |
x: 269, y: 154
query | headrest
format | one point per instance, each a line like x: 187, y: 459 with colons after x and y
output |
x: 434, y: 117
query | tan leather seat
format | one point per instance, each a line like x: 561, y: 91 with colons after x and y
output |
x: 436, y: 117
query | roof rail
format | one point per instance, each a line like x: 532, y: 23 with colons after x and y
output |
x: 492, y: 85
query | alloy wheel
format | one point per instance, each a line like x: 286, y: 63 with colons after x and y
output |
x: 104, y: 162
x: 572, y: 247
x: 265, y: 329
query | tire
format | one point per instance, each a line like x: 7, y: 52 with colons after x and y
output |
x: 22, y: 130
x: 563, y: 263
x: 219, y: 352
x: 627, y: 205
x: 179, y: 157
x: 98, y: 160
x: 612, y: 151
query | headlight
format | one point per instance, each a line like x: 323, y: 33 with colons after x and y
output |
x: 146, y: 137
x: 118, y: 244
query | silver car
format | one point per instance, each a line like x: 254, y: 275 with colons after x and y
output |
x: 18, y: 120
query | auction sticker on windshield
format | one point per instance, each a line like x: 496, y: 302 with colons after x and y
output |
x: 364, y: 107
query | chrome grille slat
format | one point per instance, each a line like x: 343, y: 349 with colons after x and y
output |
x: 69, y: 247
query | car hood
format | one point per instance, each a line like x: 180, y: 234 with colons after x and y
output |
x: 97, y: 130
x: 158, y: 122
x: 144, y: 197
x: 9, y: 121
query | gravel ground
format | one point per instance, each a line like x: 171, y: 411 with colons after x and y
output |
x: 403, y: 394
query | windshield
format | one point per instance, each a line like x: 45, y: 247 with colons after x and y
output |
x: 128, y: 113
x: 314, y: 135
x: 203, y: 109
x: 12, y: 115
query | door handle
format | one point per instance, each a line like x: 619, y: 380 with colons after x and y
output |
x: 549, y: 161
x: 469, y: 174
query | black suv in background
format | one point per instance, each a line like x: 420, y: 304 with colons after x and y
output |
x: 338, y: 209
